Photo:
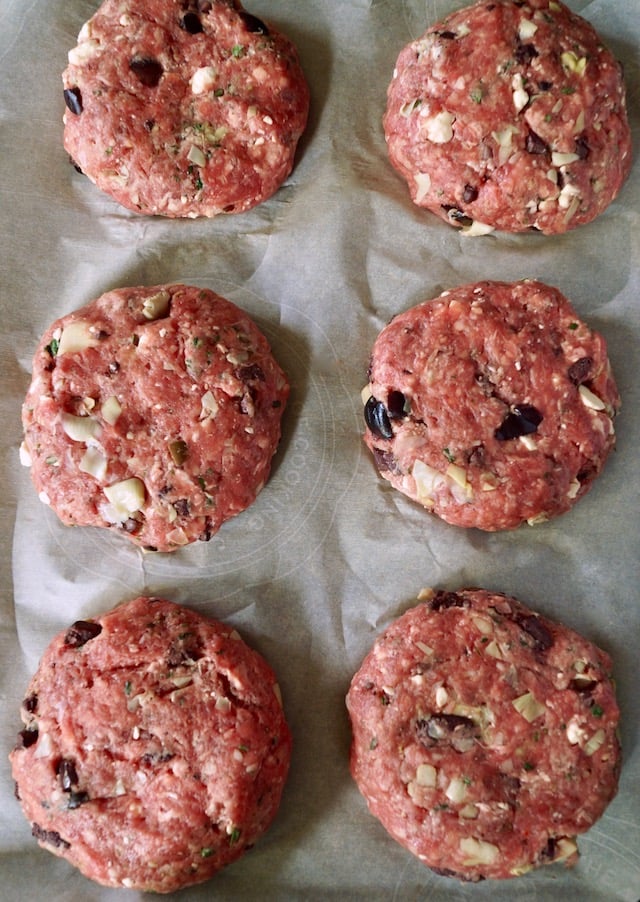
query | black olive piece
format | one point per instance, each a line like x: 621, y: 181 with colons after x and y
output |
x: 76, y: 799
x: 27, y: 738
x: 181, y: 507
x: 524, y: 53
x: 395, y: 405
x: 50, y: 837
x: 81, y: 632
x: 73, y: 100
x: 191, y: 22
x: 457, y: 216
x: 385, y: 461
x: 30, y: 703
x: 148, y: 71
x: 377, y: 419
x: 579, y: 370
x: 67, y: 774
x: 469, y: 194
x: 253, y: 23
x: 443, y: 600
x: 582, y: 147
x: 534, y: 143
x: 447, y: 35
x: 252, y: 372
x: 523, y: 419
x: 533, y: 627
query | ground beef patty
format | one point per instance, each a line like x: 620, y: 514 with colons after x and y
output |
x: 155, y: 747
x: 510, y: 114
x: 484, y: 735
x: 183, y: 108
x: 491, y: 405
x: 155, y: 412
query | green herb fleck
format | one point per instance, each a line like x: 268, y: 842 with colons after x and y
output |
x: 466, y: 780
x: 127, y: 687
x: 476, y: 94
x: 574, y: 326
x: 206, y: 853
x: 597, y: 711
x: 218, y: 92
x: 568, y: 89
x: 238, y: 51
x: 373, y: 744
x: 384, y: 698
x: 52, y: 347
x: 234, y: 836
x: 243, y: 748
x: 442, y: 806
x: 199, y: 184
x: 528, y: 765
x: 447, y: 453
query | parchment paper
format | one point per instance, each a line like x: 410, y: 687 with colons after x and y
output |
x: 329, y: 554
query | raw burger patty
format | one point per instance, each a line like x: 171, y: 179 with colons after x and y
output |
x: 510, y: 115
x: 183, y: 108
x: 155, y: 412
x: 484, y: 735
x: 491, y: 405
x: 155, y: 748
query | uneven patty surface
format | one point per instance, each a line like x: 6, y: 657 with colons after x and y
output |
x: 155, y: 412
x: 510, y: 115
x: 183, y: 108
x: 491, y: 405
x: 484, y: 735
x: 155, y: 747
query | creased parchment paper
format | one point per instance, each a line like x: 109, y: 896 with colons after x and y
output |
x: 328, y: 554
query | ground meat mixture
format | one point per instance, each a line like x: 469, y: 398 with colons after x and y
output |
x: 484, y: 735
x: 154, y: 412
x: 183, y: 108
x: 155, y: 747
x: 510, y: 114
x: 491, y: 405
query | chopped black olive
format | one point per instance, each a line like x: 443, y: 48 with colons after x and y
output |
x: 81, y: 632
x: 377, y: 419
x: 252, y: 372
x: 253, y: 23
x: 27, y: 738
x: 524, y: 53
x: 535, y: 144
x: 533, y: 627
x: 50, y: 837
x: 395, y: 405
x: 442, y: 600
x: 469, y: 194
x: 30, y: 703
x: 148, y: 71
x: 456, y: 216
x: 385, y: 461
x: 191, y: 22
x: 67, y: 774
x: 76, y: 799
x: 579, y: 370
x: 73, y: 100
x: 523, y: 419
x: 582, y: 147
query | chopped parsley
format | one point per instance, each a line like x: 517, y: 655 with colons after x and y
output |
x: 597, y: 711
x: 237, y: 51
x: 206, y: 853
x: 127, y: 687
x: 234, y: 836
x: 52, y: 347
x: 448, y: 454
x: 528, y: 765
